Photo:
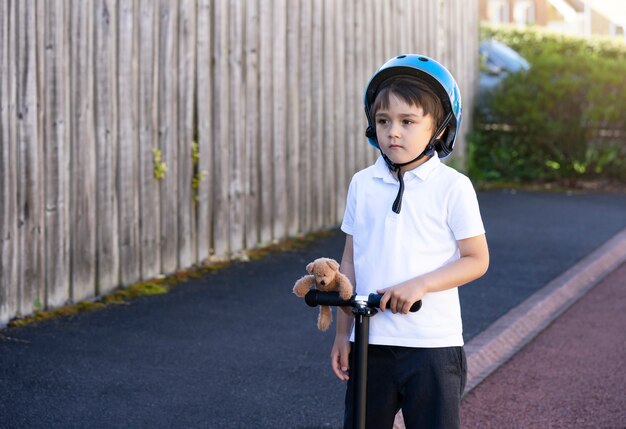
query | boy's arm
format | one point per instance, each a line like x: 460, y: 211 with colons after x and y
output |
x: 347, y: 268
x: 473, y: 264
x: 341, y: 346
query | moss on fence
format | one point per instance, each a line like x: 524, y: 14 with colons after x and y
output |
x: 163, y: 285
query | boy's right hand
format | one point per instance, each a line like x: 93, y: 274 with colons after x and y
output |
x: 339, y: 357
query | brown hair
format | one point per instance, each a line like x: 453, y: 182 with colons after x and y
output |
x: 413, y: 92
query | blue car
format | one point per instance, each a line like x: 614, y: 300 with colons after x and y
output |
x: 497, y: 62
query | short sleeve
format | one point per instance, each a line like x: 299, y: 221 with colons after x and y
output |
x: 347, y: 224
x: 463, y: 211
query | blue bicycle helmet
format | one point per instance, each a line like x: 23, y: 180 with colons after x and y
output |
x: 439, y: 79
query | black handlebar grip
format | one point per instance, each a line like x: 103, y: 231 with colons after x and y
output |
x: 373, y: 300
x: 314, y: 297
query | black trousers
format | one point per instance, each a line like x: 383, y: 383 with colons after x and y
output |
x: 426, y: 383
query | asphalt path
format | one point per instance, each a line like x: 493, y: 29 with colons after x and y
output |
x: 236, y: 349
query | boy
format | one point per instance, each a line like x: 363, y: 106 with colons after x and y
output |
x: 413, y: 231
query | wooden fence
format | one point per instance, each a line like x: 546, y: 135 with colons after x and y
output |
x: 253, y: 107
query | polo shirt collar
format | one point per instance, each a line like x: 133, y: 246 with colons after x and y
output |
x: 422, y: 172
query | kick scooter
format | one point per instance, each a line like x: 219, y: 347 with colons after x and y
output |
x: 363, y: 307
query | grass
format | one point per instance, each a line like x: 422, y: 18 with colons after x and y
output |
x: 160, y: 286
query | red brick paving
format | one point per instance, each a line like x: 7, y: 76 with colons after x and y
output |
x: 573, y: 375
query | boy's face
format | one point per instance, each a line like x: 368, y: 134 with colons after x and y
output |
x: 403, y: 131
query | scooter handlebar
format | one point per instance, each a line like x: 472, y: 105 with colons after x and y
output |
x: 314, y: 297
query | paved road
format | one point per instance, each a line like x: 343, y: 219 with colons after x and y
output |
x: 570, y: 376
x: 237, y: 350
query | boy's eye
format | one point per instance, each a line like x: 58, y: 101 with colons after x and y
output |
x: 381, y: 121
x: 407, y: 122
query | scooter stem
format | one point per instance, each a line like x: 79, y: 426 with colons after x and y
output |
x: 362, y: 314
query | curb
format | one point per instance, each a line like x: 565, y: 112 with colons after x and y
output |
x: 506, y: 336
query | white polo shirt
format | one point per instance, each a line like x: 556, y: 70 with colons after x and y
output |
x: 439, y: 207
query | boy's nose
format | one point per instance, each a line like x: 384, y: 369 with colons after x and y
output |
x: 394, y: 130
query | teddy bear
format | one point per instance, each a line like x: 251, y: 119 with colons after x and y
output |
x: 325, y: 276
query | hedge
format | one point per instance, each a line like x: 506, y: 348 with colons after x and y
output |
x: 563, y: 119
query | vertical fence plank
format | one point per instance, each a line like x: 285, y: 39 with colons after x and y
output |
x: 236, y: 131
x: 369, y: 61
x: 361, y: 74
x: 419, y: 30
x: 377, y: 45
x: 469, y: 62
x: 221, y: 131
x: 409, y: 19
x: 368, y: 66
x: 454, y: 64
x: 461, y: 62
x: 279, y: 118
x: 328, y: 142
x: 252, y: 84
x: 372, y: 65
x: 427, y: 37
x: 317, y: 116
x: 105, y: 109
x: 439, y: 19
x: 351, y: 106
x: 83, y: 189
x: 168, y: 132
x: 29, y: 154
x: 424, y: 37
x: 128, y: 198
x: 442, y: 43
x: 265, y: 127
x: 8, y: 167
x: 304, y: 140
x: 204, y: 108
x: 186, y: 103
x: 293, y: 113
x: 398, y: 29
x: 147, y: 63
x: 387, y: 26
x: 56, y: 143
x: 342, y: 132
x: 432, y: 23
x: 470, y: 34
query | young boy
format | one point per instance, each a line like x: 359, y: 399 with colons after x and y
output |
x: 413, y: 231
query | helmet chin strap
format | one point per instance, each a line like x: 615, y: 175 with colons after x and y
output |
x: 428, y: 150
x: 397, y: 204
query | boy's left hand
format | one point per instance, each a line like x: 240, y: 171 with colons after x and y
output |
x: 401, y: 297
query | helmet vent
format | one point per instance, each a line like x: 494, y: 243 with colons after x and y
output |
x: 423, y: 59
x: 400, y: 57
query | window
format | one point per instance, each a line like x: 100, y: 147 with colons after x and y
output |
x: 524, y: 12
x: 498, y: 11
x: 617, y: 30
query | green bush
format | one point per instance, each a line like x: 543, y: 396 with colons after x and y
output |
x: 563, y: 119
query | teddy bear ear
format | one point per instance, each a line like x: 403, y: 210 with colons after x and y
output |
x: 309, y: 268
x: 334, y: 265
